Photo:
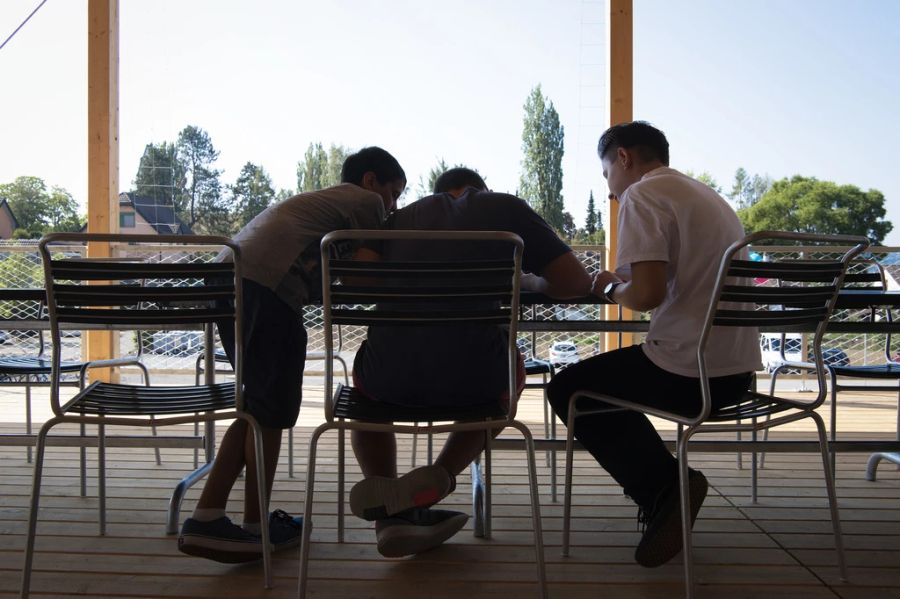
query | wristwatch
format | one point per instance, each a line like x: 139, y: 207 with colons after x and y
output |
x: 608, y: 290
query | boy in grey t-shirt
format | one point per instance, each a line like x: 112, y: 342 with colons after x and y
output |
x: 280, y: 259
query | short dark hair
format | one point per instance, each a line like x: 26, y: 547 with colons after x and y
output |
x: 457, y: 178
x: 371, y: 159
x: 649, y: 142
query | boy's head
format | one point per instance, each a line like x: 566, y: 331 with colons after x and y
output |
x: 376, y: 170
x: 629, y: 150
x: 458, y: 178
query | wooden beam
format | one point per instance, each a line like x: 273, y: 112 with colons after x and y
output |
x: 621, y: 97
x: 103, y: 150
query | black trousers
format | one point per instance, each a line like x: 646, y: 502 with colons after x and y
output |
x: 625, y: 443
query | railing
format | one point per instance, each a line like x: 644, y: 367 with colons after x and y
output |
x: 175, y: 351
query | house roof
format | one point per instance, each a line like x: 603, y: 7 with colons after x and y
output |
x: 4, y: 206
x: 161, y: 217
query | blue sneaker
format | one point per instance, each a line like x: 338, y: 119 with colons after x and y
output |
x: 220, y: 540
x: 284, y: 530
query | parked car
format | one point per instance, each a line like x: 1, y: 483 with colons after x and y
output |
x: 563, y: 353
x: 770, y: 345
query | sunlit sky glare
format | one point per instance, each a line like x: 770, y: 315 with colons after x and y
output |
x: 779, y: 87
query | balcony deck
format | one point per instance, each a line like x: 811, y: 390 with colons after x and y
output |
x: 779, y: 547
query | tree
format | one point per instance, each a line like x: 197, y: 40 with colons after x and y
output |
x: 542, y: 145
x: 569, y: 229
x: 805, y: 204
x: 593, y: 219
x: 706, y: 179
x: 252, y: 193
x: 319, y: 168
x: 160, y: 174
x: 214, y: 211
x: 38, y: 210
x: 195, y: 151
x: 425, y: 187
x: 747, y: 190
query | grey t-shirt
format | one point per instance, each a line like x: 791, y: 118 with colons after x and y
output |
x: 280, y: 246
x: 459, y: 364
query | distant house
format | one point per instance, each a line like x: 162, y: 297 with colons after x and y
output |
x: 8, y: 222
x: 141, y: 214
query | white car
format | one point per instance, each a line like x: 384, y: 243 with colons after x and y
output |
x: 563, y: 353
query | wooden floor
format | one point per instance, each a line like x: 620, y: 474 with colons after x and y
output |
x: 780, y: 547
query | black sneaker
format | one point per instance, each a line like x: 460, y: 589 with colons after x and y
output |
x: 219, y: 540
x: 380, y: 497
x: 284, y: 530
x: 662, y: 535
x: 416, y: 530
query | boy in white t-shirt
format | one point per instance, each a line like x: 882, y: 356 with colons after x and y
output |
x: 673, y: 231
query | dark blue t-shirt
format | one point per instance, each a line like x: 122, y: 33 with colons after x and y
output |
x: 450, y: 365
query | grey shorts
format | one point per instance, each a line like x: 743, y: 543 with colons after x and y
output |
x: 274, y: 356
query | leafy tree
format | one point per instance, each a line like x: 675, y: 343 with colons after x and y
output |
x: 425, y: 187
x: 806, y: 204
x: 214, y: 211
x: 252, y: 193
x: 542, y: 145
x: 320, y: 168
x: 706, y: 179
x: 160, y: 175
x: 195, y: 151
x: 569, y: 229
x: 592, y: 222
x: 747, y: 190
x: 39, y: 210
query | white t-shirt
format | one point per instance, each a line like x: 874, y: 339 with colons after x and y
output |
x: 280, y: 246
x: 669, y: 217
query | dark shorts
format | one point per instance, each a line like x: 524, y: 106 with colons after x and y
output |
x: 274, y: 356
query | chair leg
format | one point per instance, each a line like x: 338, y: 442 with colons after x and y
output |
x: 263, y: 501
x: 155, y: 449
x: 685, y: 496
x: 82, y: 455
x: 754, y: 472
x: 35, y: 500
x: 290, y: 452
x: 196, y: 449
x: 832, y: 450
x: 762, y: 454
x: 101, y: 475
x: 307, y: 510
x: 487, y: 483
x: 28, y: 452
x: 535, y: 509
x: 832, y: 494
x: 567, y: 488
x: 342, y: 471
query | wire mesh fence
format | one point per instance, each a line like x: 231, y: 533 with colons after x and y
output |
x: 176, y: 351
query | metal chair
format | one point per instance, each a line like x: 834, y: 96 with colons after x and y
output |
x: 478, y: 293
x: 103, y: 293
x: 34, y: 369
x: 862, y: 274
x: 805, y: 298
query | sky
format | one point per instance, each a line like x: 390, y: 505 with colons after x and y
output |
x: 779, y: 88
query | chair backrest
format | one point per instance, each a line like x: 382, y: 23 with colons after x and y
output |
x: 483, y: 292
x: 129, y: 293
x: 782, y: 292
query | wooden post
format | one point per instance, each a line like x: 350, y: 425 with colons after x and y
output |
x: 621, y: 96
x: 103, y: 151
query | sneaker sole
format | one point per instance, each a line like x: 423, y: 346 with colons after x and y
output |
x: 213, y: 549
x: 401, y: 541
x: 667, y: 543
x: 378, y: 497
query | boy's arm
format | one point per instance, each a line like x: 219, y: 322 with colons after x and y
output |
x: 563, y: 277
